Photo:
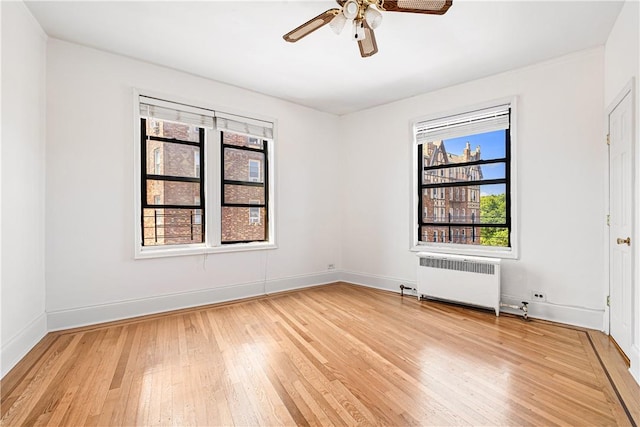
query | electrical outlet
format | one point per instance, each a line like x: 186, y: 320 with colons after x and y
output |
x: 331, y: 267
x: 538, y: 296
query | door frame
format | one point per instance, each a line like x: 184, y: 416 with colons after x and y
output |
x: 628, y: 89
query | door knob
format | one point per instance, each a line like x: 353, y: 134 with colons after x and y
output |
x: 623, y: 241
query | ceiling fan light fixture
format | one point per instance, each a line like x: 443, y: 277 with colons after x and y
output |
x: 351, y: 9
x: 366, y: 16
x: 337, y: 24
x: 358, y: 30
x: 373, y: 17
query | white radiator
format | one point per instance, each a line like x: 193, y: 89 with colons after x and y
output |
x: 463, y: 279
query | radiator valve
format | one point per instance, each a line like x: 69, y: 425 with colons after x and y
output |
x: 403, y: 287
x: 524, y: 308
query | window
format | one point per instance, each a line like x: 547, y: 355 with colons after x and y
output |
x: 168, y: 192
x: 244, y: 192
x: 185, y: 210
x: 475, y: 149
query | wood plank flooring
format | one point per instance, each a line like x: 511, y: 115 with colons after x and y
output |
x: 331, y: 355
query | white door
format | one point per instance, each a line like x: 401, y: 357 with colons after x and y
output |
x: 620, y: 231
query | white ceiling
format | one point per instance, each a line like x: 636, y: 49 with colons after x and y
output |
x: 240, y: 43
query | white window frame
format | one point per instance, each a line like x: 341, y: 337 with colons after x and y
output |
x: 212, y: 150
x: 460, y: 249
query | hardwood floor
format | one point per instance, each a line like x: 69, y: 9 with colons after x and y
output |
x: 332, y: 355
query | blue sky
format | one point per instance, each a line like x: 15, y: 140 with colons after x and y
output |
x: 492, y: 146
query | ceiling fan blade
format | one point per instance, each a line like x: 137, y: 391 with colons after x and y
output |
x: 311, y: 25
x: 368, y: 45
x: 431, y: 7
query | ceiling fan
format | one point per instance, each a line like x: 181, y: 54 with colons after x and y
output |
x: 366, y: 17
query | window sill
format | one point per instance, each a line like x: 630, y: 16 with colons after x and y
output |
x: 186, y: 250
x: 503, y: 253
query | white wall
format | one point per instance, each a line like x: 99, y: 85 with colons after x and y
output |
x: 560, y: 186
x: 91, y: 275
x: 622, y: 63
x: 23, y: 173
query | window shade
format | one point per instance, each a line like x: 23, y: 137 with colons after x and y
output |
x: 244, y: 125
x: 469, y: 123
x: 182, y: 113
x: 174, y: 112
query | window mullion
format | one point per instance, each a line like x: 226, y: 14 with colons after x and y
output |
x: 265, y: 180
x: 420, y: 198
x: 213, y: 171
x: 508, y: 183
x: 464, y: 164
x: 174, y: 141
x: 465, y: 183
x: 143, y: 167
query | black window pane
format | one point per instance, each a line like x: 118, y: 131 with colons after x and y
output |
x: 165, y: 158
x: 172, y: 226
x: 483, y: 146
x: 243, y: 165
x: 493, y: 204
x: 464, y: 173
x: 242, y: 140
x: 173, y: 193
x: 243, y: 224
x: 494, y: 236
x: 468, y: 235
x: 172, y: 130
x: 469, y: 204
x: 243, y: 194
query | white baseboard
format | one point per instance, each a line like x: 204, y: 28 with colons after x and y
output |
x: 635, y: 363
x: 378, y: 282
x: 569, y: 315
x: 18, y: 346
x: 577, y: 316
x: 304, y: 281
x: 91, y: 315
